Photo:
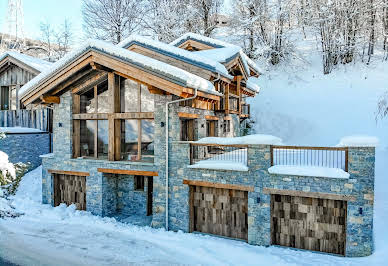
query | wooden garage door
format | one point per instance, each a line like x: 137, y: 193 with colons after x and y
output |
x: 70, y: 189
x: 309, y: 223
x: 219, y: 211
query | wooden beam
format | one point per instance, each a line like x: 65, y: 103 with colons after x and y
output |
x: 50, y: 99
x: 127, y: 172
x: 73, y: 80
x: 188, y: 115
x: 239, y: 94
x: 99, y: 67
x: 217, y: 185
x: 211, y: 117
x: 91, y: 116
x: 52, y: 171
x: 299, y: 193
x: 226, y: 100
x: 76, y: 126
x: 93, y: 81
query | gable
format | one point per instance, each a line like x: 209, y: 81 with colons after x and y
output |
x: 11, y: 74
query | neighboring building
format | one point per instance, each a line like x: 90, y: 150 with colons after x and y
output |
x: 115, y: 105
x: 16, y: 70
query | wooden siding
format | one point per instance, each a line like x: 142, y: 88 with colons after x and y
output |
x: 39, y: 118
x: 219, y: 211
x: 309, y: 223
x: 70, y: 189
x: 15, y: 75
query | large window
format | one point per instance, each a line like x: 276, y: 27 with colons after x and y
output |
x: 114, y: 122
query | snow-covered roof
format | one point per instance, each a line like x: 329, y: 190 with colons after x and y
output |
x: 166, y: 71
x: 177, y: 53
x: 33, y: 62
x: 313, y: 171
x: 250, y: 139
x: 221, y: 55
x: 216, y: 44
x: 359, y: 141
x: 252, y: 84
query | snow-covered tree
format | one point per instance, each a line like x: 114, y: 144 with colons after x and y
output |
x: 112, y: 20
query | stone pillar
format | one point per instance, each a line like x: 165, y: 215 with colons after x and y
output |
x: 63, y: 127
x: 359, y: 241
x: 259, y: 212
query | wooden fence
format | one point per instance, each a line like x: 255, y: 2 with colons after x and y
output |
x: 332, y: 157
x: 39, y: 119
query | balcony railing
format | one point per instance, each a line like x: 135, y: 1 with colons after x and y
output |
x: 216, y: 153
x: 331, y: 157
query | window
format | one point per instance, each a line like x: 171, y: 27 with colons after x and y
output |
x: 187, y: 129
x: 226, y: 126
x: 94, y: 120
x: 138, y: 183
x: 4, y: 98
x: 211, y: 128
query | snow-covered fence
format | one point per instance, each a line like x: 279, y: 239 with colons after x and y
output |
x: 39, y: 119
x: 217, y: 153
x: 331, y: 157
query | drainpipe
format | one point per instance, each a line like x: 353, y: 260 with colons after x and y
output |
x: 167, y: 133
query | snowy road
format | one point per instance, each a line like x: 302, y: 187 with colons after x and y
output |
x: 63, y: 236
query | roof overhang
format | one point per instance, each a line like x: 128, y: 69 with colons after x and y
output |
x: 8, y: 61
x: 64, y: 77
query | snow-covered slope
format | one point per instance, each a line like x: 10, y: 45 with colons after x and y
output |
x: 302, y: 106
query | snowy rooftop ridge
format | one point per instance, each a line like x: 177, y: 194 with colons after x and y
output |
x: 33, y: 62
x: 174, y: 74
x: 216, y: 44
x: 250, y: 139
x: 180, y: 54
x: 358, y: 141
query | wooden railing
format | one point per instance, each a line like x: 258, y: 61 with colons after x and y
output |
x: 333, y: 157
x: 218, y: 153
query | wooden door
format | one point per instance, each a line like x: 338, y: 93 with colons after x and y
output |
x: 309, y: 223
x: 219, y: 211
x: 70, y: 189
x: 150, y: 190
x: 187, y: 130
x: 211, y: 128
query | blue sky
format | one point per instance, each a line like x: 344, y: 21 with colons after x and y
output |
x: 52, y: 11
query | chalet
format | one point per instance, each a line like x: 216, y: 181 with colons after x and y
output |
x: 16, y: 70
x: 138, y: 132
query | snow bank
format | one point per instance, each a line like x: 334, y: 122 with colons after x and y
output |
x: 163, y: 48
x: 250, y: 139
x: 35, y: 63
x: 175, y: 74
x: 219, y: 165
x: 19, y: 130
x: 7, y: 169
x: 358, y: 141
x: 308, y: 171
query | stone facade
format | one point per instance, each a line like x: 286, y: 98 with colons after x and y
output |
x: 26, y: 147
x: 107, y: 194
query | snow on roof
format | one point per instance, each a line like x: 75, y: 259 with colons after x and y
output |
x: 216, y: 44
x: 171, y: 73
x: 313, y: 171
x: 359, y: 141
x: 252, y: 84
x: 250, y: 139
x: 19, y: 130
x: 221, y: 55
x: 36, y: 63
x: 180, y: 54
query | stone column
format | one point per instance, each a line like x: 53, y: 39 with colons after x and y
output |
x: 359, y: 241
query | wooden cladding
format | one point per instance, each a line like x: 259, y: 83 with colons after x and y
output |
x: 217, y: 185
x: 127, y: 172
x: 188, y: 115
x: 309, y: 223
x: 70, y: 189
x: 318, y: 195
x: 51, y: 171
x: 219, y: 211
x: 211, y: 117
x: 105, y: 116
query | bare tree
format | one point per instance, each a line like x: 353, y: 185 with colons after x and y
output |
x: 382, y: 106
x: 47, y: 35
x: 112, y: 20
x: 64, y: 37
x: 207, y: 11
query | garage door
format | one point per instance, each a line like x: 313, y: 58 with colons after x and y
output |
x: 219, y: 211
x: 309, y: 223
x: 70, y: 189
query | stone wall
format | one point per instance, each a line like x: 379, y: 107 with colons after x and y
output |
x: 26, y: 147
x: 360, y: 186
